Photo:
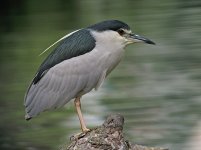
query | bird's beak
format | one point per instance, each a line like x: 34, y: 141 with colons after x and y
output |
x: 134, y: 38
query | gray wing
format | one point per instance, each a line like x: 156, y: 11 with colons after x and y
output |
x: 47, y: 88
x: 63, y: 82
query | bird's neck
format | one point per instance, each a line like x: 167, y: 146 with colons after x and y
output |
x: 108, y: 41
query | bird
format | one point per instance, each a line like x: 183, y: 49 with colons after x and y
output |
x: 80, y: 63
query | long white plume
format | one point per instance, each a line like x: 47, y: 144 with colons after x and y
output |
x: 58, y: 41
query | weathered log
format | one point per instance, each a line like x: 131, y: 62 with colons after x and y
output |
x: 109, y: 136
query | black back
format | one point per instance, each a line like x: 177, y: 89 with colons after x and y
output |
x: 77, y: 44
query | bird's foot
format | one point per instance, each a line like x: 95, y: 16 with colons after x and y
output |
x: 79, y: 135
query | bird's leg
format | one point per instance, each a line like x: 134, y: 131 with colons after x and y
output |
x: 78, y: 109
x: 82, y: 123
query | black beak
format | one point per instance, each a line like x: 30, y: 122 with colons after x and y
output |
x: 138, y: 38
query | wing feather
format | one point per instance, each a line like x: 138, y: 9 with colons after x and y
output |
x: 73, y: 45
x: 61, y: 83
x: 67, y: 80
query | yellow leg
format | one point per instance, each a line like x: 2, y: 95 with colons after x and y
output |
x: 78, y: 109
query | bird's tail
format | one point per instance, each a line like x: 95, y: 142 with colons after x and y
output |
x: 27, y: 117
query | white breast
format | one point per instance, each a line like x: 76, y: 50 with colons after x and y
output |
x: 110, y: 44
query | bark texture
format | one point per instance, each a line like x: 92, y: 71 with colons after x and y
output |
x: 109, y: 136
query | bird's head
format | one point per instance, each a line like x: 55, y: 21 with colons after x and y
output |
x: 118, y: 30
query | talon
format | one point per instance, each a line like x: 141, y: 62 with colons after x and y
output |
x: 79, y: 135
x: 86, y: 130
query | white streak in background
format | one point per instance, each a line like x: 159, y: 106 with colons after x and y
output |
x: 194, y: 142
x: 58, y: 41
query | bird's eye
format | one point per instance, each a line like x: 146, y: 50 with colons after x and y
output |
x: 121, y: 31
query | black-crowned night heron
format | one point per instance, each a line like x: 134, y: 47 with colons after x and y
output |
x: 80, y: 63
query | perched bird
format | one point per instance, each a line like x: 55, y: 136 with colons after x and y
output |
x: 81, y: 62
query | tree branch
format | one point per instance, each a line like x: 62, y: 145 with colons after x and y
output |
x: 109, y: 136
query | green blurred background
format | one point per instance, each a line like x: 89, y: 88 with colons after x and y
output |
x: 156, y: 88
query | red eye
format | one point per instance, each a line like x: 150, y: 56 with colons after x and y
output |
x: 121, y: 31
